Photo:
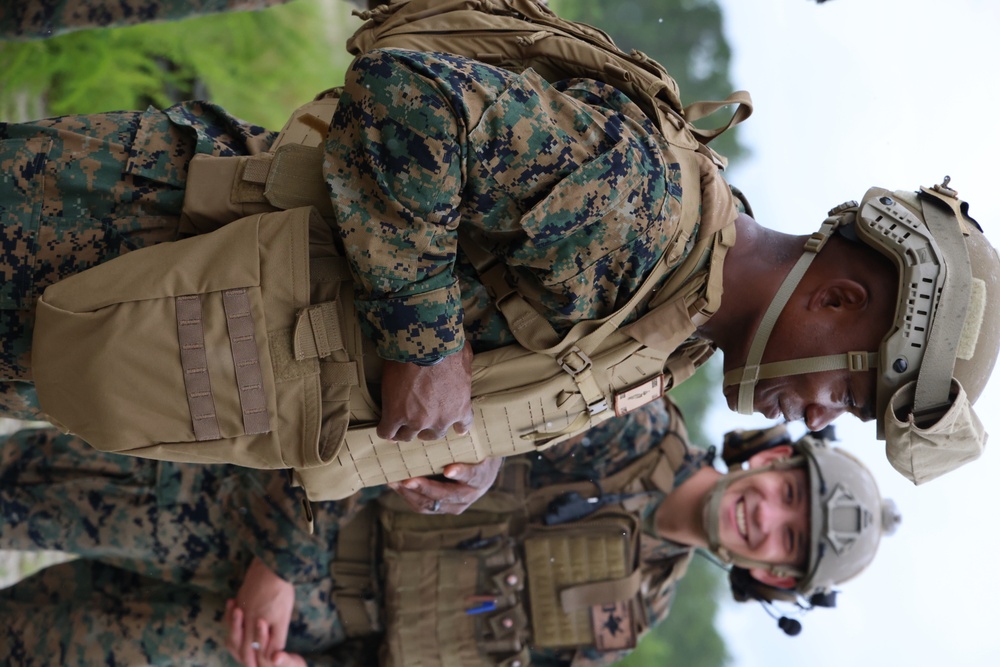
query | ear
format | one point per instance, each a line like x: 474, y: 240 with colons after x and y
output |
x: 842, y: 294
x: 769, y: 578
x: 762, y: 458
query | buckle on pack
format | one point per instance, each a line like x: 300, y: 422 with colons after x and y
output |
x: 597, y: 407
x: 574, y: 369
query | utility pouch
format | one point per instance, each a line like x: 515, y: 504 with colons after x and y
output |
x: 212, y: 349
x: 453, y: 592
x: 584, y: 583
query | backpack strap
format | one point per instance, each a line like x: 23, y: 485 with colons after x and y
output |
x: 518, y: 34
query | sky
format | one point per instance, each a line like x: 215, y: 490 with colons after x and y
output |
x: 894, y: 93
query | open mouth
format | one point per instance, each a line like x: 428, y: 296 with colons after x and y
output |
x: 741, y: 518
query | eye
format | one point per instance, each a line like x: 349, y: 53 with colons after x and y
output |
x: 850, y: 400
x: 789, y: 493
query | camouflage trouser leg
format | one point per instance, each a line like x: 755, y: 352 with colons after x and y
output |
x: 70, y: 198
x: 26, y: 19
x: 191, y: 526
x: 82, y: 613
x: 165, y: 521
x: 86, y: 613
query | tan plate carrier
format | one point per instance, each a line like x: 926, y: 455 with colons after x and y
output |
x: 545, y: 587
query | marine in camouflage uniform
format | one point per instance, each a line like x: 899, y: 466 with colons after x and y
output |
x: 163, y: 545
x: 419, y: 142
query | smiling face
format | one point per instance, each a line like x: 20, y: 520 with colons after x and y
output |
x: 816, y: 398
x: 844, y: 303
x: 765, y: 517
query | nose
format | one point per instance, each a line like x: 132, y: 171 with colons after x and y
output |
x: 819, y: 416
x: 772, y: 515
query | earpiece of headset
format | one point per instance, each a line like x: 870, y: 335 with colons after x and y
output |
x: 746, y: 588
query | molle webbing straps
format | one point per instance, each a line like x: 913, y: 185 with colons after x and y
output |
x: 194, y: 365
x: 246, y: 361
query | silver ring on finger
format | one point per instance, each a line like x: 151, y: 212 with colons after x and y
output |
x: 436, y: 507
x: 255, y: 646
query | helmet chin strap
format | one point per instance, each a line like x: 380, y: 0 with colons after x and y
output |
x: 712, y: 509
x: 748, y: 375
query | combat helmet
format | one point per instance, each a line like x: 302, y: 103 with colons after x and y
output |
x: 848, y: 517
x: 934, y: 361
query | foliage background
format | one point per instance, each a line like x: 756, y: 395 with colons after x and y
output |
x: 261, y: 65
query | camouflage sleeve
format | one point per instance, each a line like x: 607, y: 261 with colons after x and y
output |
x: 28, y: 19
x: 604, y: 449
x: 395, y: 162
x: 274, y: 527
x: 422, y: 143
x: 83, y: 613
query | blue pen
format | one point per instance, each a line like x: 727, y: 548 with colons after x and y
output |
x: 482, y: 607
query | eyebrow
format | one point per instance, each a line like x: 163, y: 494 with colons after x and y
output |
x: 802, y: 538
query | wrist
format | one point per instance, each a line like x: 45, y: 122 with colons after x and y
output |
x: 430, y: 361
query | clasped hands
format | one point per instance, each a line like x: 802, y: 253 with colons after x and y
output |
x: 423, y: 402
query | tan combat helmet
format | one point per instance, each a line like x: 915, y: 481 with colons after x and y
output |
x: 936, y: 358
x: 847, y: 518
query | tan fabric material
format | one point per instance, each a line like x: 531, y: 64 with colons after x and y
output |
x: 122, y: 387
x: 567, y: 569
x: 313, y: 362
x: 194, y: 365
x: 354, y: 570
x: 923, y: 454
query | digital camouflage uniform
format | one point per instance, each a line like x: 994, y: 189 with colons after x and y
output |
x: 567, y: 184
x: 419, y: 142
x: 165, y: 544
x: 27, y: 19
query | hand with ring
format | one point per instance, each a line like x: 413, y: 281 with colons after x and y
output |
x: 257, y: 619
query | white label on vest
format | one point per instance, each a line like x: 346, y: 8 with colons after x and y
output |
x: 612, y: 625
x: 638, y: 396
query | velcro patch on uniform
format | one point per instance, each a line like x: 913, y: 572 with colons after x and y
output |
x: 635, y: 397
x: 613, y: 627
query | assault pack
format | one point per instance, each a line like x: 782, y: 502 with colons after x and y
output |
x: 241, y: 344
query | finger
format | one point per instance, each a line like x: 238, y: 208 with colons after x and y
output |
x: 460, y: 472
x: 478, y: 476
x: 416, y: 500
x: 462, y: 426
x: 262, y: 635
x: 248, y: 656
x: 387, y: 429
x: 404, y: 434
x: 279, y: 635
x: 433, y: 433
x: 234, y: 638
x: 282, y: 659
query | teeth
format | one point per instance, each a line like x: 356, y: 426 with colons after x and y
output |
x: 741, y: 518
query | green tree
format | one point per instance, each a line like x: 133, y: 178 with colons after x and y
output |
x: 685, y: 36
x: 258, y: 65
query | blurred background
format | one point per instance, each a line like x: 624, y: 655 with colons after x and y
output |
x: 848, y: 94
